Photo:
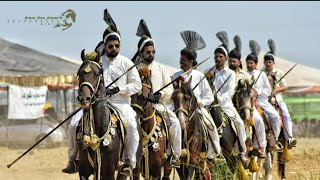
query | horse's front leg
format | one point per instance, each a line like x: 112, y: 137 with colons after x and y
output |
x: 85, y: 169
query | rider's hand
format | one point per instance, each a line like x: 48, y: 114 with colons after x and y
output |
x: 112, y: 91
x: 200, y: 105
x: 155, y: 98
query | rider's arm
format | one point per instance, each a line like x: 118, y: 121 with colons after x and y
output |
x: 133, y: 85
x: 207, y: 97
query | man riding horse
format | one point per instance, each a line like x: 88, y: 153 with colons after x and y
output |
x: 159, y: 78
x: 259, y: 140
x: 269, y: 61
x: 262, y: 91
x: 113, y: 65
x: 201, y: 90
x: 225, y: 81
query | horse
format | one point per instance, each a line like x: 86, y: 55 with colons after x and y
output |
x: 185, y: 106
x: 153, y: 130
x: 99, y: 138
x: 227, y: 132
x: 243, y: 102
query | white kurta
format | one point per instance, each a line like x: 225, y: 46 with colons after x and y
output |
x: 224, y: 95
x: 259, y: 139
x: 263, y: 89
x: 203, y: 94
x: 159, y: 78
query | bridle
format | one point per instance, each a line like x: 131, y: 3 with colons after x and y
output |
x: 180, y: 95
x: 94, y: 90
x: 143, y: 108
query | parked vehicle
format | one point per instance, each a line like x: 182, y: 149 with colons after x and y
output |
x: 17, y: 132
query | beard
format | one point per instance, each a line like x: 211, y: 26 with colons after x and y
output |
x: 149, y: 60
x: 232, y: 67
x: 112, y: 54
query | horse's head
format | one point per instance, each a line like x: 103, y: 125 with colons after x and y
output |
x: 90, y: 76
x: 139, y: 101
x: 185, y: 102
x: 243, y: 100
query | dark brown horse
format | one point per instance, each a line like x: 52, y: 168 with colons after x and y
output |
x: 153, y: 131
x: 98, y: 133
x: 228, y: 135
x: 185, y: 106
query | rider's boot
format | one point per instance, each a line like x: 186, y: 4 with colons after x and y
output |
x: 72, y: 167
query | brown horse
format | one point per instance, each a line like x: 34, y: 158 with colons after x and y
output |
x: 98, y: 133
x: 281, y: 156
x: 185, y: 106
x: 153, y: 131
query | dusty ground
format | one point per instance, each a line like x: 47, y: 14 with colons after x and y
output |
x: 47, y: 164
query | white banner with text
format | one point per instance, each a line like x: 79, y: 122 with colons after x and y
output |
x: 26, y: 102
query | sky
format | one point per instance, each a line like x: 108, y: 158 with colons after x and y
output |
x: 294, y: 26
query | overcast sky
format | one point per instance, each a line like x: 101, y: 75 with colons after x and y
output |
x: 294, y: 26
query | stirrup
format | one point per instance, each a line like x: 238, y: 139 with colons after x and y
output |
x: 292, y: 143
x: 126, y: 170
x: 174, y: 162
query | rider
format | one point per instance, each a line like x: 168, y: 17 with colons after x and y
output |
x: 159, y: 78
x: 202, y: 92
x: 259, y: 141
x: 262, y: 91
x: 225, y: 81
x: 279, y: 87
x: 114, y: 65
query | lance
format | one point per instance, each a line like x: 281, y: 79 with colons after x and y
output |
x: 181, y: 75
x: 202, y: 78
x: 224, y: 83
x: 259, y: 75
x: 9, y: 165
x: 286, y: 73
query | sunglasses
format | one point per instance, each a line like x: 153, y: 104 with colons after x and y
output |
x: 149, y: 52
x: 111, y: 46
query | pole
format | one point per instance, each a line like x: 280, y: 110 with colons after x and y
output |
x: 9, y: 165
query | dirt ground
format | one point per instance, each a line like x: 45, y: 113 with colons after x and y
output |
x: 46, y: 164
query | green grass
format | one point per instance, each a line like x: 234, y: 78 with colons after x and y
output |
x: 303, y: 107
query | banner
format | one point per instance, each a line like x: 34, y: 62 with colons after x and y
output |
x: 26, y: 102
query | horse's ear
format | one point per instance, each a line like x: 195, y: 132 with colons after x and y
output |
x: 174, y: 84
x: 82, y: 55
x: 241, y: 83
x: 189, y: 82
x: 98, y: 57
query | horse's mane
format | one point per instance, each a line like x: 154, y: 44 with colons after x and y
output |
x: 143, y: 71
x: 186, y: 89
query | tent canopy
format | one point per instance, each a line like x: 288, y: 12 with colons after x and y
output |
x: 23, y: 66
